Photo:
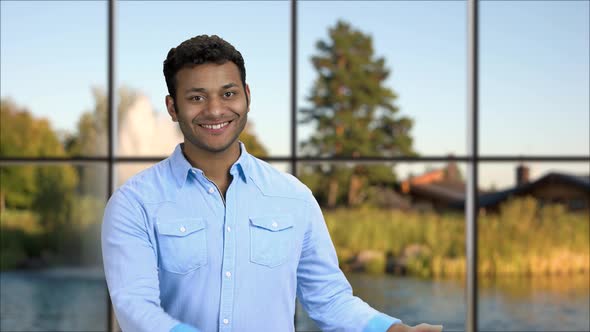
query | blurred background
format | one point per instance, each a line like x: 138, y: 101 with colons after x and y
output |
x: 375, y: 80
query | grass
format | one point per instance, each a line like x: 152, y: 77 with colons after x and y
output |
x: 522, y: 239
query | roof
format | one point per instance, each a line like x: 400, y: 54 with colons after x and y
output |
x: 491, y: 199
x: 444, y: 191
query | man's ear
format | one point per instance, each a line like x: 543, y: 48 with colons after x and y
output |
x: 171, y: 108
x: 249, y: 97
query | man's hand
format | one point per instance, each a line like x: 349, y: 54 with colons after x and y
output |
x: 418, y: 328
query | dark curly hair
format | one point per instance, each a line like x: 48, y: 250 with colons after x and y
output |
x: 199, y: 50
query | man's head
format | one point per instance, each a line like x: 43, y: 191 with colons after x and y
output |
x: 199, y: 50
x: 209, y: 97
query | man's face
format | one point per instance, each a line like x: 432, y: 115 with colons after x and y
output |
x: 210, y: 105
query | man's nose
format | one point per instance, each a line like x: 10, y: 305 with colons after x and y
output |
x: 215, y: 106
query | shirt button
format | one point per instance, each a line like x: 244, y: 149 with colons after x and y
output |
x: 211, y: 190
x: 182, y: 229
x: 228, y: 274
x: 225, y: 321
x: 275, y: 225
x: 228, y: 229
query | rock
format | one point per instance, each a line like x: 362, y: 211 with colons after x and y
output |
x: 363, y: 259
x: 399, y: 265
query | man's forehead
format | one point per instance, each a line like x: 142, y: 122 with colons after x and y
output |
x: 208, y: 66
x: 207, y: 72
x: 210, y: 75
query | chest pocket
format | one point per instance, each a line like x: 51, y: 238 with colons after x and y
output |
x: 183, y: 244
x: 271, y: 240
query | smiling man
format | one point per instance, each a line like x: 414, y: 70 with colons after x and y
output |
x: 214, y: 239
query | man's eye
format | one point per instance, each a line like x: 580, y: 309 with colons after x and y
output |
x: 197, y: 98
x: 228, y: 94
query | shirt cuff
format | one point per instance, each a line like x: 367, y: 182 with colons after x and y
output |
x: 183, y: 328
x: 380, y: 323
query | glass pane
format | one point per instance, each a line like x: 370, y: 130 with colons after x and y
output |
x: 534, y: 247
x: 399, y: 235
x: 353, y: 105
x: 146, y: 128
x: 51, y: 275
x: 535, y: 77
x: 53, y: 60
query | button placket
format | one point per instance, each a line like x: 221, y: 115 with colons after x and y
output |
x: 228, y: 263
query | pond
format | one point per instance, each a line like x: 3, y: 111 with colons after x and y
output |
x: 75, y: 300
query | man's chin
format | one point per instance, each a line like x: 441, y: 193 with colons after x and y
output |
x: 215, y: 148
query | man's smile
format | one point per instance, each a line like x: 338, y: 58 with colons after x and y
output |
x: 215, y: 126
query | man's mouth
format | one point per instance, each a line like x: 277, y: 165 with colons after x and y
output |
x: 215, y: 126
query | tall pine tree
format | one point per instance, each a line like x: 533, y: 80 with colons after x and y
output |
x: 353, y: 114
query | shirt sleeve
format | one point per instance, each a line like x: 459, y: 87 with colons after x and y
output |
x: 131, y: 271
x: 323, y: 289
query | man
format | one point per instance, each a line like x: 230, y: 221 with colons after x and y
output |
x: 213, y: 239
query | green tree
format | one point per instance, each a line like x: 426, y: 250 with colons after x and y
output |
x: 48, y: 191
x: 21, y: 135
x: 353, y: 114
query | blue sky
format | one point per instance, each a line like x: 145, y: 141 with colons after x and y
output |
x: 534, y: 65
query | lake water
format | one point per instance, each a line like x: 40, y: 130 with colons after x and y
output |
x: 75, y: 300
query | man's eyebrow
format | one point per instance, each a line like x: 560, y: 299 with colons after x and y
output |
x: 224, y: 87
x: 229, y: 85
x: 195, y: 90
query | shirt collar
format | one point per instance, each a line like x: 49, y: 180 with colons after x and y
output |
x: 181, y: 166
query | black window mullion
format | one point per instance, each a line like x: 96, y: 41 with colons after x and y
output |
x: 113, y: 325
x: 471, y: 205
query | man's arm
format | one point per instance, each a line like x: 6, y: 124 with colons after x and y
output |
x: 327, y: 296
x: 323, y: 289
x: 130, y: 265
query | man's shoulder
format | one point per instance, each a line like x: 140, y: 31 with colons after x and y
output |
x: 272, y: 182
x: 151, y: 185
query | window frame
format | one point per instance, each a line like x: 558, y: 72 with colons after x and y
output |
x: 472, y: 159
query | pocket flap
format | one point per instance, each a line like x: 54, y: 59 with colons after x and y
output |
x: 274, y: 224
x: 180, y: 227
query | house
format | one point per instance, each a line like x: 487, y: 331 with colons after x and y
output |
x: 436, y: 190
x: 444, y: 189
x: 555, y: 187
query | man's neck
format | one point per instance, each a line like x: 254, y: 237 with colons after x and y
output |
x: 215, y: 165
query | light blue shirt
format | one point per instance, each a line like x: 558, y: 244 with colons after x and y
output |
x: 179, y: 257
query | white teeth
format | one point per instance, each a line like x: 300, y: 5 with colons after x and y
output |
x: 215, y: 126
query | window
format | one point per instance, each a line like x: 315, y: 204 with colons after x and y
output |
x: 60, y: 158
